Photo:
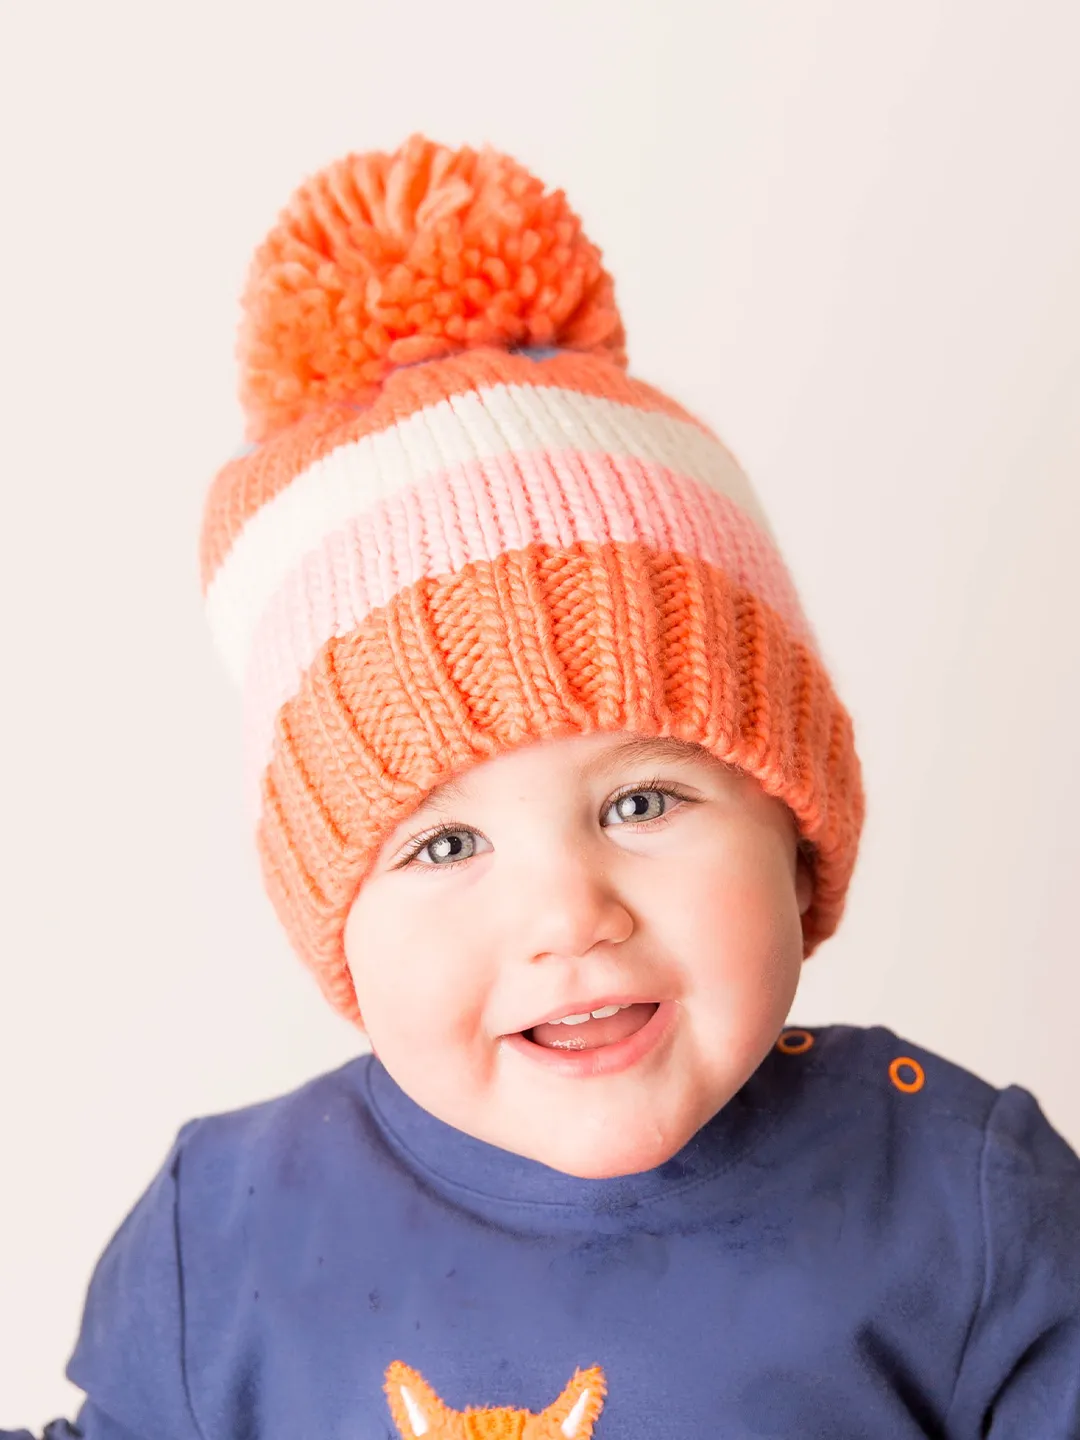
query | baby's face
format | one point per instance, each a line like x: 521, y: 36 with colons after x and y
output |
x: 564, y: 879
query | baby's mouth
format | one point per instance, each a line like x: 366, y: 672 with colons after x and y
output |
x: 592, y: 1029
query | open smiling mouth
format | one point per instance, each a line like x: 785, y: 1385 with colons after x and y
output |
x: 603, y: 1040
x: 590, y: 1029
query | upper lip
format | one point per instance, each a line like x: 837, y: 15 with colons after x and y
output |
x: 585, y: 1007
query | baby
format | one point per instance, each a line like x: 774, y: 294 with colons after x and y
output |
x: 501, y: 611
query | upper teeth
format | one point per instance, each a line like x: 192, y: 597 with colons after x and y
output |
x: 601, y: 1014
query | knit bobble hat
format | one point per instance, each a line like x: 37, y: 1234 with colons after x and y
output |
x: 461, y: 527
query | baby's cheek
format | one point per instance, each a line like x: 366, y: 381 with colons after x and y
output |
x: 419, y: 1000
x: 749, y: 954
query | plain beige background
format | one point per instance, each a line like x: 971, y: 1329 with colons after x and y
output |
x: 846, y: 234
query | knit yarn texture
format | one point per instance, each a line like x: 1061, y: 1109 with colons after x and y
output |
x: 462, y: 527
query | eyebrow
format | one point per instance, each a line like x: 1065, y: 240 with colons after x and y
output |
x: 636, y: 751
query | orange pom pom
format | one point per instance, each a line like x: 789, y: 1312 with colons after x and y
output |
x: 386, y: 260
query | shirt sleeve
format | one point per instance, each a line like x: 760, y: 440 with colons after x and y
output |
x: 1020, y: 1376
x: 129, y: 1357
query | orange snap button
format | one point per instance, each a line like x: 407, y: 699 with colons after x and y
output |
x: 918, y: 1079
x: 794, y: 1042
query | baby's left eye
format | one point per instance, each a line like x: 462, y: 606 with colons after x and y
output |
x: 641, y: 804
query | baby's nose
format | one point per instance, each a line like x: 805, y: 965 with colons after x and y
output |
x: 569, y: 909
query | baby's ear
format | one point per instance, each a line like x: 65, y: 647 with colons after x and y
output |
x: 574, y: 1414
x: 416, y: 1409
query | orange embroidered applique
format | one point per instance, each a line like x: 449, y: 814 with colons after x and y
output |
x: 418, y: 1411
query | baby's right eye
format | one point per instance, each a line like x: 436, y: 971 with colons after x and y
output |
x: 444, y: 847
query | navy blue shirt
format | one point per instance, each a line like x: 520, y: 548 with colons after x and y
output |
x: 867, y: 1241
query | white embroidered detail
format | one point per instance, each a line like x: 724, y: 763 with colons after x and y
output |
x: 416, y: 1415
x: 573, y: 1420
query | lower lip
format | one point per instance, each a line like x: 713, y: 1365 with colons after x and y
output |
x: 605, y: 1059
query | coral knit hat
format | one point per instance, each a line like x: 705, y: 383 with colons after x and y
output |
x: 462, y: 527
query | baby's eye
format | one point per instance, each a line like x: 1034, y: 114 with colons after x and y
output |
x: 641, y: 804
x: 446, y: 848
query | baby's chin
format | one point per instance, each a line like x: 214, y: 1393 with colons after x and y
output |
x: 601, y: 1142
x: 615, y: 1156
